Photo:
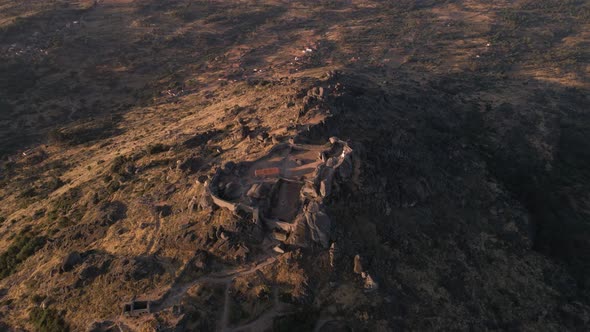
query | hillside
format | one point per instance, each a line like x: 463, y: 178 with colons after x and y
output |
x: 184, y: 153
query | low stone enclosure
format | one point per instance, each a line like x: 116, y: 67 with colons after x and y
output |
x: 284, y: 191
x: 136, y: 308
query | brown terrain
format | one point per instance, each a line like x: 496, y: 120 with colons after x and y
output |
x: 180, y: 157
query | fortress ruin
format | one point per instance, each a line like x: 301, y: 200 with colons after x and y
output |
x: 284, y: 191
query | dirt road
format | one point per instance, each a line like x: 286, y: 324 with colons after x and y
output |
x: 225, y: 277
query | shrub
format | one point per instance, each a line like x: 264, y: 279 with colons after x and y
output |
x: 113, y: 186
x: 38, y: 298
x: 64, y: 210
x: 65, y: 202
x: 118, y: 165
x: 24, y: 245
x: 156, y: 148
x: 47, y: 320
x: 28, y: 193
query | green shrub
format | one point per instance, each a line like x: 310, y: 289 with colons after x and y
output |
x: 113, y: 186
x: 65, y: 202
x: 156, y: 148
x: 118, y: 165
x: 63, y: 222
x: 28, y: 193
x: 38, y: 298
x: 24, y: 245
x: 47, y: 320
x: 65, y: 210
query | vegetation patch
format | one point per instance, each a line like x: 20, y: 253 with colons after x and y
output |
x: 25, y: 244
x: 64, y: 208
x: 47, y: 320
x: 156, y: 148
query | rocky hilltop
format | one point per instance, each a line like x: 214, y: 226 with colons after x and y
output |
x: 294, y: 165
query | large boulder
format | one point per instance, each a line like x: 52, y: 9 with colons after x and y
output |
x: 70, y: 261
x: 318, y: 224
x: 358, y: 264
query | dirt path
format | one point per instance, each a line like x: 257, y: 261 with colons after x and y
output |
x: 224, y: 324
x: 154, y: 236
x: 320, y: 323
x: 226, y: 277
x: 176, y: 292
x: 265, y: 320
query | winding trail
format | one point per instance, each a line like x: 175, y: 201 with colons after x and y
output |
x: 266, y: 319
x: 321, y: 322
x: 154, y: 235
x: 225, y: 277
x: 225, y: 316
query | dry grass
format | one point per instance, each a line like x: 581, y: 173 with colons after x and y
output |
x: 91, y: 85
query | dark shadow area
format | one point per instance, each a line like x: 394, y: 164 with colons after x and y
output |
x: 429, y: 154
